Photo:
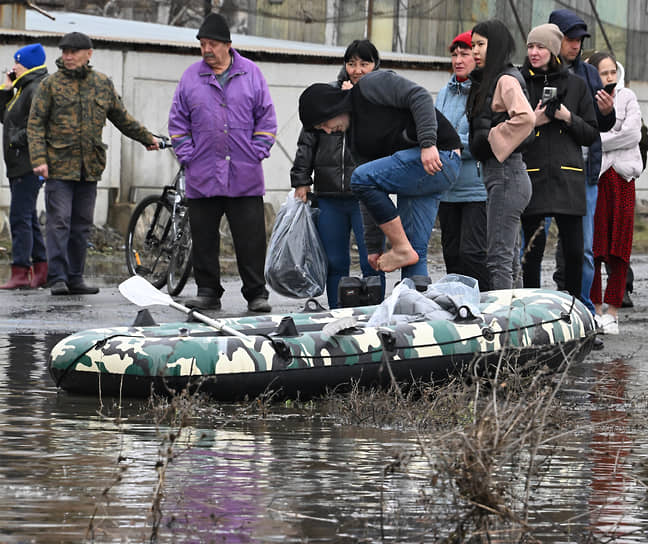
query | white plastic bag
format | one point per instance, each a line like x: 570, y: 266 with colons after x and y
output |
x: 462, y: 292
x: 296, y: 263
x: 406, y: 304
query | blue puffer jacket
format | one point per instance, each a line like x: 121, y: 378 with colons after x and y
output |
x: 566, y: 19
x: 451, y: 101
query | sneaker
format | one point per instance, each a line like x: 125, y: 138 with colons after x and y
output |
x: 609, y: 324
x: 80, y: 288
x: 259, y: 304
x: 59, y: 288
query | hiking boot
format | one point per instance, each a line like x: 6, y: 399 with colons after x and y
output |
x: 206, y: 299
x: 59, y: 288
x: 259, y: 304
x: 204, y: 303
x: 80, y: 288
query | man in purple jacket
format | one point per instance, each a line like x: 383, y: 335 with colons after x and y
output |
x: 222, y: 123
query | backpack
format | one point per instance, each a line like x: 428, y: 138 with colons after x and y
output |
x: 643, y: 143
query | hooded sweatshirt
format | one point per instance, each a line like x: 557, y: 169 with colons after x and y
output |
x: 621, y: 143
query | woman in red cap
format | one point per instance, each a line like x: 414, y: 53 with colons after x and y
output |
x: 462, y: 212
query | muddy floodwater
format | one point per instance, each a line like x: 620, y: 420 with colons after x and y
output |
x: 77, y: 469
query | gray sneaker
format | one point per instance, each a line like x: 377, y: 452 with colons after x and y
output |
x: 259, y: 304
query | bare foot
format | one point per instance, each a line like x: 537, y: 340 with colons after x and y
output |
x: 372, y: 259
x: 394, y: 259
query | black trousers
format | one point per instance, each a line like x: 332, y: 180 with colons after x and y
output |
x: 463, y: 238
x: 246, y: 219
x: 570, y: 228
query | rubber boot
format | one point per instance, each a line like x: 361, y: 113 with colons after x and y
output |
x: 19, y: 278
x: 39, y: 275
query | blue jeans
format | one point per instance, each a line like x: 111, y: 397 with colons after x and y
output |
x: 591, y: 195
x: 337, y: 217
x: 70, y: 215
x: 27, y: 240
x: 418, y: 192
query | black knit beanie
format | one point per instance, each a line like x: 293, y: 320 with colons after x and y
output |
x: 214, y: 27
x: 321, y: 102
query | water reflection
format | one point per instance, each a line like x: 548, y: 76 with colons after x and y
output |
x: 74, y: 470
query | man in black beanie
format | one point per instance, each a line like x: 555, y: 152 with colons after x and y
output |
x: 405, y: 146
x: 222, y: 124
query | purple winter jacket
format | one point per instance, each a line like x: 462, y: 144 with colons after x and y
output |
x: 221, y: 136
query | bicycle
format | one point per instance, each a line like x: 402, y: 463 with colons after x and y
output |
x: 158, y: 240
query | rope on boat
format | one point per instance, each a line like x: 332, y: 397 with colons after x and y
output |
x: 97, y: 344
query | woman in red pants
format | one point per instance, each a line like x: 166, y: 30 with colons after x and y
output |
x: 614, y: 217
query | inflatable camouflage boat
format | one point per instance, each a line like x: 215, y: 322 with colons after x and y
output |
x: 297, y: 356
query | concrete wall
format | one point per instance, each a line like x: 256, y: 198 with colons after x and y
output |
x: 147, y: 79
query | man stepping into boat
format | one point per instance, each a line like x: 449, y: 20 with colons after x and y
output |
x: 404, y: 147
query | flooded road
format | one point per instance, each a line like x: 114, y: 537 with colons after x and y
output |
x: 79, y: 469
x: 76, y: 469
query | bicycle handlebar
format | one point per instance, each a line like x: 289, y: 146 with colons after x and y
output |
x: 164, y: 142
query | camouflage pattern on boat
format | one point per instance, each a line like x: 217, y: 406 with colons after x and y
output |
x: 526, y: 321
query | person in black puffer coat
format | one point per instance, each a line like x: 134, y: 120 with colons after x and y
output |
x: 16, y: 95
x: 554, y: 161
x: 328, y: 157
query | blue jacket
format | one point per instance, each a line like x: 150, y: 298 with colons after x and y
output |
x: 566, y: 19
x: 451, y: 101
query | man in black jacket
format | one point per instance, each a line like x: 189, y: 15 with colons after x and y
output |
x: 16, y: 95
x: 574, y: 30
x: 405, y: 147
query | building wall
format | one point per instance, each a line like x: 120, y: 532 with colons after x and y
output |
x: 147, y: 80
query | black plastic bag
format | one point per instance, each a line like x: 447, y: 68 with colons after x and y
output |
x: 296, y: 263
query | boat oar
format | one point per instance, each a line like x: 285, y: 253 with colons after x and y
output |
x: 139, y: 291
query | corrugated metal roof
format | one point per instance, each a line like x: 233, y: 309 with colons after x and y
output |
x: 125, y: 31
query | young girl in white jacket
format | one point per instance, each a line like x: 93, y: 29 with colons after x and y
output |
x: 614, y: 217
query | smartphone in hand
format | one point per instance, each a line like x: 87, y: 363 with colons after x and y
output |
x: 609, y: 88
x: 548, y: 93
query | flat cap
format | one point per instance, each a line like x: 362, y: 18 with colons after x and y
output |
x: 75, y: 40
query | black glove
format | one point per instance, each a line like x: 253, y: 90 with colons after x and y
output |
x: 551, y: 107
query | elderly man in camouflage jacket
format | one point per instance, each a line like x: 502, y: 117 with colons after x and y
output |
x: 67, y: 116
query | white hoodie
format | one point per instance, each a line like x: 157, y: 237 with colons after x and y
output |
x: 621, y: 143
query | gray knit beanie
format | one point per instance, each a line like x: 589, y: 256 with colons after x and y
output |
x: 548, y: 35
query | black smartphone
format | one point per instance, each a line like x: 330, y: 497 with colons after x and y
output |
x: 609, y: 88
x: 12, y: 75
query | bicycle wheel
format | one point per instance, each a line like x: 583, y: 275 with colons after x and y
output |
x: 147, y: 241
x: 180, y: 264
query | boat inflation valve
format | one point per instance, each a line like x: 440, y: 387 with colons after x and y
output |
x: 311, y: 305
x: 488, y: 334
x: 565, y: 317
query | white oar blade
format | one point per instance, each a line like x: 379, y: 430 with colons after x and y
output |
x: 139, y: 291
